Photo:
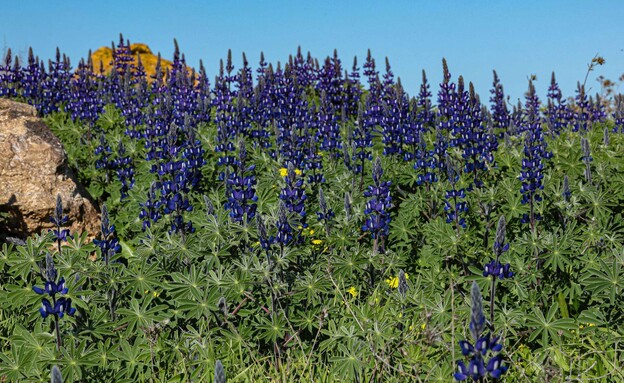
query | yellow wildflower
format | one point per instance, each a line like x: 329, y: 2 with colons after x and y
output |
x: 284, y: 172
x: 317, y: 241
x: 393, y: 282
x: 423, y: 326
x: 156, y: 294
x: 311, y: 231
x: 353, y: 292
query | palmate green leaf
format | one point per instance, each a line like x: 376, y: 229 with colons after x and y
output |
x: 139, y: 316
x: 607, y: 280
x: 143, y: 276
x: 547, y: 326
x: 200, y: 307
x: 311, y: 287
x: 5, y: 252
x: 347, y: 364
x: 271, y: 329
x: 16, y: 366
x: 132, y: 357
x: 42, y: 346
x: 25, y: 260
x: 77, y: 356
x: 187, y: 285
x: 558, y: 251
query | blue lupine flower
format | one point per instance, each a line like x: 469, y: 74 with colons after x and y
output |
x: 582, y: 118
x: 284, y: 230
x: 494, y: 268
x: 240, y: 188
x: 293, y: 194
x: 59, y: 306
x: 59, y: 220
x: 587, y: 159
x: 483, y: 346
x: 265, y: 240
x: 109, y: 244
x: 618, y: 114
x: 535, y: 151
x: 378, y: 206
x: 500, y: 114
x: 455, y: 206
x: 558, y: 114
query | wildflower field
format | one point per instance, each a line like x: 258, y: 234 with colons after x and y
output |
x: 312, y: 222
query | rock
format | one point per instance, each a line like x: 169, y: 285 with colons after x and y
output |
x: 104, y: 55
x: 33, y: 170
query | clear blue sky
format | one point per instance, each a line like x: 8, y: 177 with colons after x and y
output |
x: 517, y: 38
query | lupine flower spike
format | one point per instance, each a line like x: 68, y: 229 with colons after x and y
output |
x: 483, y: 346
x: 59, y: 220
x: 59, y: 306
x: 219, y: 376
x: 495, y: 269
x: 109, y: 245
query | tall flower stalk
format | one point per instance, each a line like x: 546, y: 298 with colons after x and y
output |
x: 494, y: 268
x: 59, y: 306
x: 482, y: 347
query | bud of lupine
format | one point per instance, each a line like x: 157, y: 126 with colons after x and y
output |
x: 263, y: 238
x: 50, y: 270
x: 566, y: 193
x: 325, y: 213
x: 605, y: 137
x: 587, y: 158
x: 403, y: 286
x: 499, y: 241
x: 219, y: 376
x: 284, y: 230
x: 222, y: 305
x: 347, y: 206
x: 477, y: 319
x: 618, y: 114
x: 209, y: 206
x: 56, y: 376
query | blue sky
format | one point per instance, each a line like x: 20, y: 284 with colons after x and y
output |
x: 517, y: 38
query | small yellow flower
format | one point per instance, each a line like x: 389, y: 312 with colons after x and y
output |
x: 317, y: 241
x: 146, y: 291
x: 156, y: 294
x: 284, y: 172
x: 393, y: 282
x: 353, y: 292
x: 423, y: 326
x: 311, y: 231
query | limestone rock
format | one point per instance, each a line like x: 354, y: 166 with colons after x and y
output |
x: 104, y: 55
x: 33, y: 170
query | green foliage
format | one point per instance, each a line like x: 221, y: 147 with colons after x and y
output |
x: 173, y: 309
